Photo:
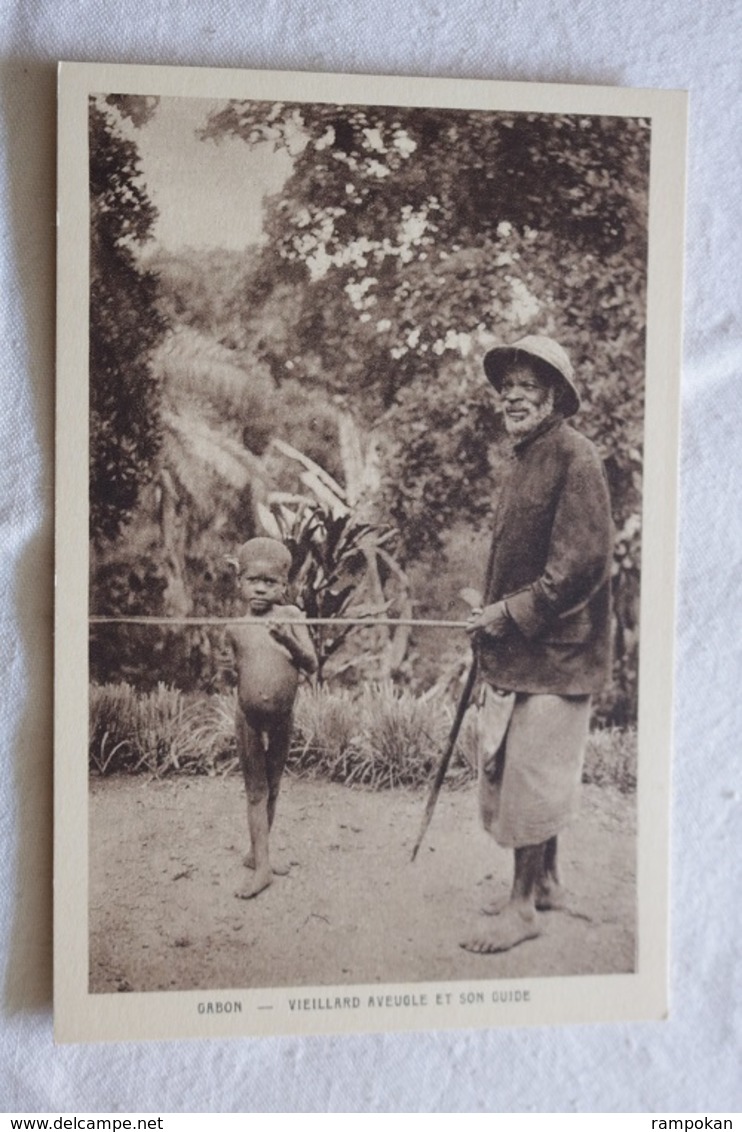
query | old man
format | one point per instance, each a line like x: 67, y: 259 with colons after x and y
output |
x: 543, y: 636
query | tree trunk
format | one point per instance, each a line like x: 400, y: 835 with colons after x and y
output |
x: 176, y: 600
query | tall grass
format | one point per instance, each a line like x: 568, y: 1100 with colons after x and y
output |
x: 610, y: 758
x: 378, y: 737
x: 134, y: 731
x: 381, y: 737
x: 326, y: 729
x: 159, y: 731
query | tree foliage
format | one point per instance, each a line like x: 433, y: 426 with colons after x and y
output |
x: 418, y: 233
x: 125, y: 324
x: 333, y: 556
x: 205, y: 289
x: 414, y: 238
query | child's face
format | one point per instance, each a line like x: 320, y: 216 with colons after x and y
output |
x: 263, y: 586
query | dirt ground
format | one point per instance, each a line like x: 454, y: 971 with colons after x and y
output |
x: 166, y: 859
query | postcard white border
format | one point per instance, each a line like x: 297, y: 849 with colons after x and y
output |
x: 81, y: 1016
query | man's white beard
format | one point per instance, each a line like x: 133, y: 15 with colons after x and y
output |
x: 533, y: 418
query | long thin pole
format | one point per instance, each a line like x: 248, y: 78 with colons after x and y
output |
x: 440, y: 774
x: 461, y: 709
x: 367, y: 622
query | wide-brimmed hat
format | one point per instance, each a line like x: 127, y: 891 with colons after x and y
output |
x: 499, y: 360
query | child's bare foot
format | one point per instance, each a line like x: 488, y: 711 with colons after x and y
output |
x: 512, y: 926
x: 259, y: 882
x: 279, y: 870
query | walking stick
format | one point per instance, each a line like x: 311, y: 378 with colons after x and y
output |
x: 440, y: 774
x: 472, y: 599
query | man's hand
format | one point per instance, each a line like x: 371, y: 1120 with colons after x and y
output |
x: 492, y: 621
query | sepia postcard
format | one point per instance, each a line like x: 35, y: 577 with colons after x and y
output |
x: 368, y: 395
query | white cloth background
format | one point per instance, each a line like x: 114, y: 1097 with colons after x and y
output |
x: 692, y: 1061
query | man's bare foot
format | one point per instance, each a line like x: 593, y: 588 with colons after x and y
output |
x: 279, y: 870
x: 550, y: 896
x: 259, y: 882
x: 511, y: 927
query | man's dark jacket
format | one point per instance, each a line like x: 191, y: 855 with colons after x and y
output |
x: 551, y: 563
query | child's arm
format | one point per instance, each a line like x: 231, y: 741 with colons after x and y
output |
x: 295, y: 638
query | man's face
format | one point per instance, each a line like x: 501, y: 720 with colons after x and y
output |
x: 263, y: 586
x: 526, y: 400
